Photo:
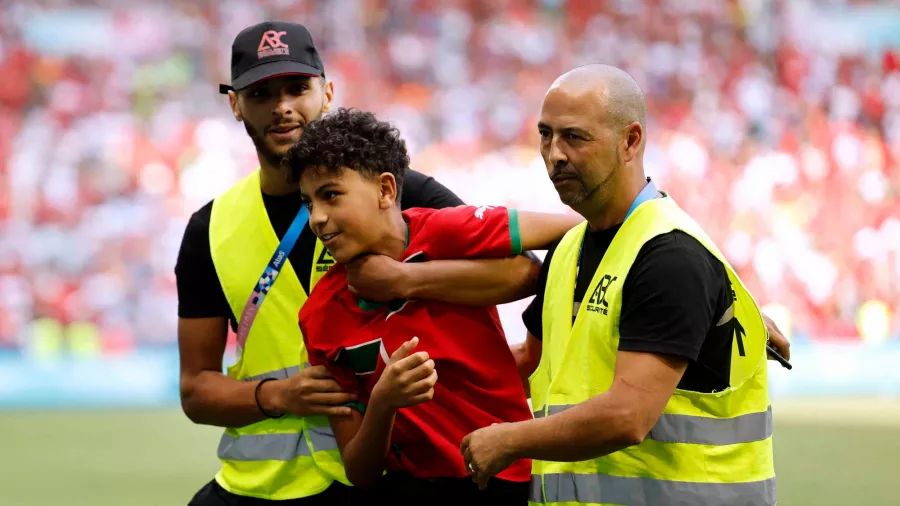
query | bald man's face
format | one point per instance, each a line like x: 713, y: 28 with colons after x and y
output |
x: 578, y: 146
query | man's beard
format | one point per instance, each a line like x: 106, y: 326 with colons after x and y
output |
x: 265, y: 152
x: 584, y: 193
x: 268, y: 154
x: 579, y: 197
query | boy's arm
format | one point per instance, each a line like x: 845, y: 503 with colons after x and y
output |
x: 364, y: 439
x: 540, y: 230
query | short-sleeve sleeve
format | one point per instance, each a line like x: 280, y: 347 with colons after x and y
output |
x: 200, y: 294
x: 473, y: 232
x: 670, y: 297
x: 343, y: 374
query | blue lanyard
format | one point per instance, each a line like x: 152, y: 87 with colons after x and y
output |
x: 648, y: 193
x: 270, y: 274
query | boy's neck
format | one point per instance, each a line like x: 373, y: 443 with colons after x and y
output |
x: 393, y: 244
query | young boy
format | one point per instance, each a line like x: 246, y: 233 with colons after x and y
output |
x: 351, y: 167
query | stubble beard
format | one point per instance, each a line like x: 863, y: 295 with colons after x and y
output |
x: 584, y: 193
x: 272, y: 157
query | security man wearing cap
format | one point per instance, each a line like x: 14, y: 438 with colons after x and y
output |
x: 651, y: 387
x: 248, y: 261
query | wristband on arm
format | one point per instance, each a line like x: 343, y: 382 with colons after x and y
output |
x: 262, y: 410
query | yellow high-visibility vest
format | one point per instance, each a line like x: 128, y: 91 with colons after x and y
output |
x: 707, y: 449
x: 288, y: 457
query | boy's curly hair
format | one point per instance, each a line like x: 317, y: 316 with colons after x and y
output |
x: 353, y: 139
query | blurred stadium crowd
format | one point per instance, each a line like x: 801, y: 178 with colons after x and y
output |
x: 776, y: 124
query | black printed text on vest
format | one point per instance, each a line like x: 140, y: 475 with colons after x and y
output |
x: 598, y: 303
x: 325, y: 261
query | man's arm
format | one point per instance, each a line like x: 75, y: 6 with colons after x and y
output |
x: 669, y: 299
x: 211, y: 398
x: 473, y: 282
x: 776, y: 339
x: 207, y: 395
x: 616, y: 419
x: 491, y: 231
x: 461, y: 235
x: 482, y: 282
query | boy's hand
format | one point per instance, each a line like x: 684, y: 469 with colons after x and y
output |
x: 408, y: 379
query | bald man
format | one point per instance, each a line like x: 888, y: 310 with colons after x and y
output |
x: 650, y: 387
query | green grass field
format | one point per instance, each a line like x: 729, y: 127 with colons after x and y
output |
x: 827, y: 453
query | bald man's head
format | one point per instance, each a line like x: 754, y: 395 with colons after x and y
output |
x: 613, y: 88
x: 592, y: 134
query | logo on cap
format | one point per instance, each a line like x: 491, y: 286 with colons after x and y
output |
x: 271, y: 45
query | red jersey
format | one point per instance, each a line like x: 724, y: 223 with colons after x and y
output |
x: 478, y: 383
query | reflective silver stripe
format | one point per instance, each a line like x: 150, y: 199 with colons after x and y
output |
x: 703, y: 430
x: 536, y: 493
x: 713, y: 431
x: 276, y: 374
x: 602, y: 488
x: 322, y: 439
x: 255, y: 447
x: 286, y: 446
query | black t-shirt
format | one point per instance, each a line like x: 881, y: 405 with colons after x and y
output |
x: 200, y: 294
x: 672, y: 300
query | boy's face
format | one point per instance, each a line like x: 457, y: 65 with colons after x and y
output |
x: 348, y: 211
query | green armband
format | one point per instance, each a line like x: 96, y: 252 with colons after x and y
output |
x: 514, y: 234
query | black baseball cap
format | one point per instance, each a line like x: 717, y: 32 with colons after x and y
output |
x: 270, y: 49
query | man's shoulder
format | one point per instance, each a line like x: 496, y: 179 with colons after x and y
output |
x: 200, y: 218
x: 678, y: 248
x: 195, y: 241
x: 675, y: 259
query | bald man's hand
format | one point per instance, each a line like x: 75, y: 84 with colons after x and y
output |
x: 777, y: 340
